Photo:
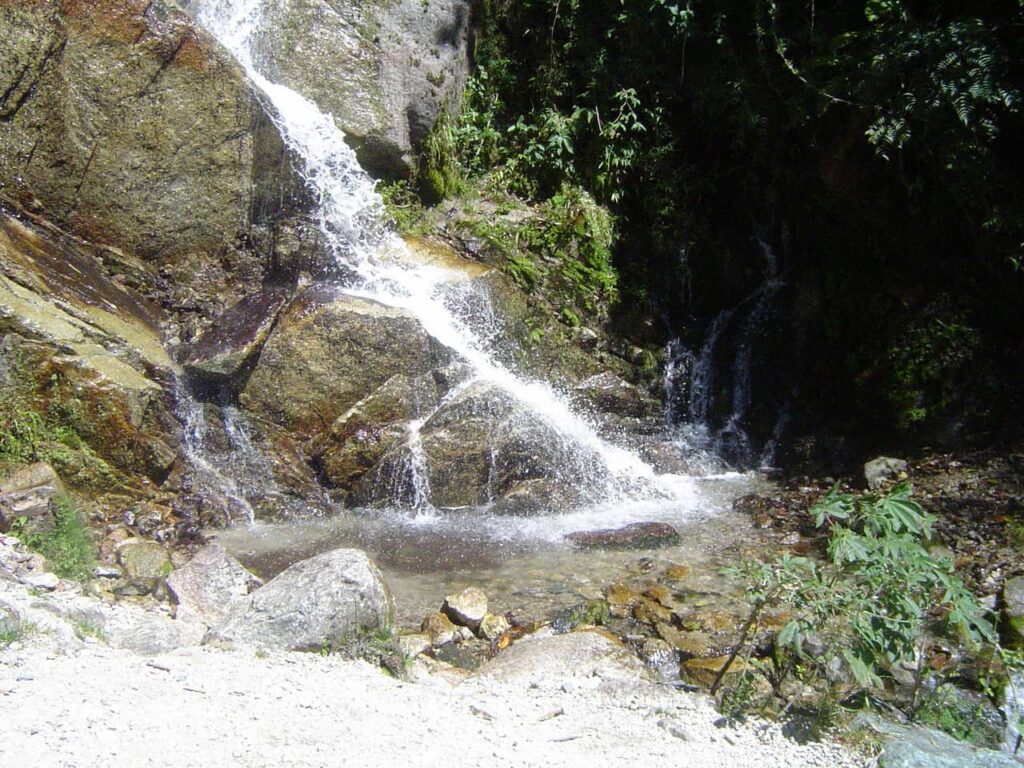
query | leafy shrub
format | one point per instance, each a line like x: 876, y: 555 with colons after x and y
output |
x: 68, y: 548
x: 863, y: 610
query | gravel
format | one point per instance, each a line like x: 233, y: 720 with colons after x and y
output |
x: 101, y: 706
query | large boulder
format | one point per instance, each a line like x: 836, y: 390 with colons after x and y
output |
x: 330, y: 350
x: 378, y: 424
x: 314, y: 603
x: 133, y: 127
x: 385, y: 69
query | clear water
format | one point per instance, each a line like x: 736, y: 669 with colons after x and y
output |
x: 522, y: 563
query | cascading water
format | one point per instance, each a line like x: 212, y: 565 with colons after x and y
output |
x: 350, y: 215
x: 697, y: 382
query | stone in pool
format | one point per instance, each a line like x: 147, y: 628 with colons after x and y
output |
x: 633, y: 536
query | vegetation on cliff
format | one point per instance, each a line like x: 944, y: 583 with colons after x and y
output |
x: 870, y: 145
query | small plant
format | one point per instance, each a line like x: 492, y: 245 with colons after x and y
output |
x: 68, y: 548
x: 377, y: 646
x: 858, y: 617
x: 13, y: 631
x: 85, y: 629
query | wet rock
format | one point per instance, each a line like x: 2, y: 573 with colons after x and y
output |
x: 73, y: 341
x: 607, y: 393
x: 144, y: 560
x: 882, y: 469
x: 327, y: 352
x: 483, y: 446
x: 384, y: 70
x: 227, y: 351
x: 100, y: 105
x: 439, y: 629
x: 466, y: 608
x: 492, y: 626
x: 632, y: 536
x: 320, y: 600
x: 362, y: 436
x: 28, y: 494
x: 1013, y: 610
x: 207, y: 587
x: 690, y: 644
x: 661, y: 658
x: 677, y: 572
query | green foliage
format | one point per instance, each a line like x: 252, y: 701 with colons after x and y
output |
x: 13, y: 631
x: 864, y: 609
x: 68, y: 547
x: 403, y: 206
x: 927, y: 362
x: 87, y: 630
x: 51, y: 434
x: 24, y: 433
x: 963, y: 717
x: 563, y: 245
x: 439, y: 174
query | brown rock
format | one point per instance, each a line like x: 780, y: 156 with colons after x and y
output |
x: 492, y: 627
x: 677, y: 572
x: 466, y: 608
x: 702, y: 672
x: 439, y: 629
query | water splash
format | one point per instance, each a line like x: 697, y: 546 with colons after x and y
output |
x: 350, y: 215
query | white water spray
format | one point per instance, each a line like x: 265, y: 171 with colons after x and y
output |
x: 350, y: 215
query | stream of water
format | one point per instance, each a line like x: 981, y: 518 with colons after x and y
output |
x: 424, y: 550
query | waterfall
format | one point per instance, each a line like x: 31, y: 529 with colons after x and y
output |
x: 696, y: 382
x: 351, y: 217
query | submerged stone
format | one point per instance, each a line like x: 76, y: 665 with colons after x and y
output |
x: 632, y: 536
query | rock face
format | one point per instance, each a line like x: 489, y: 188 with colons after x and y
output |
x: 317, y: 601
x: 225, y: 354
x: 28, y: 494
x: 101, y: 105
x: 607, y: 393
x: 327, y: 353
x: 74, y: 342
x: 385, y: 69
